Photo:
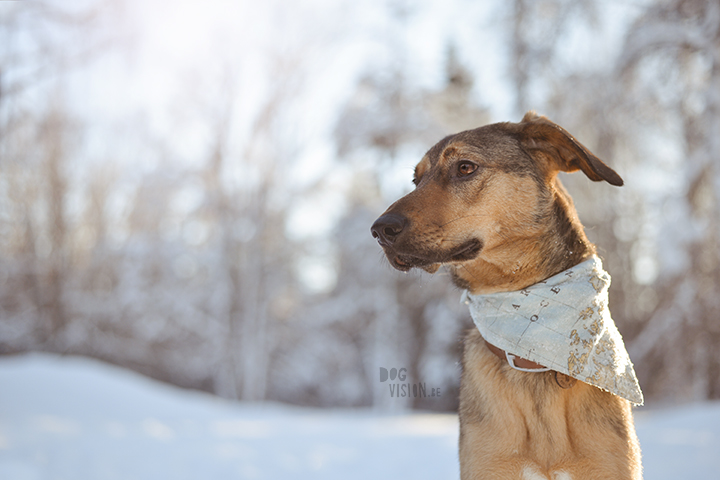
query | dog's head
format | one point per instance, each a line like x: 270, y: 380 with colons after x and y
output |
x: 487, y: 200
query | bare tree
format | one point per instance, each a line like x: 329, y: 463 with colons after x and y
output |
x: 536, y: 30
x: 37, y: 144
x: 681, y: 39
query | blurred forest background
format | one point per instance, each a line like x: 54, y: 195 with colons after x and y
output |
x: 186, y: 188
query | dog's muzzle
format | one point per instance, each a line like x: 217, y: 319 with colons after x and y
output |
x: 403, y: 254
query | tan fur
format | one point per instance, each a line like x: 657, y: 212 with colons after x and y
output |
x: 507, y: 225
x: 511, y: 420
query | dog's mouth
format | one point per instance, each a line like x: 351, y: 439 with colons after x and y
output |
x: 406, y: 262
x: 430, y: 261
x: 467, y: 251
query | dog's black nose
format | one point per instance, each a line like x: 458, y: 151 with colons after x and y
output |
x: 387, y: 228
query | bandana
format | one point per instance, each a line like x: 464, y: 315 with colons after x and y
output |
x: 564, y: 324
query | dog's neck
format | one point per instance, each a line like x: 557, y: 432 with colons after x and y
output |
x: 520, y: 262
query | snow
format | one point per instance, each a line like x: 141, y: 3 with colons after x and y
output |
x: 76, y: 418
x: 681, y: 442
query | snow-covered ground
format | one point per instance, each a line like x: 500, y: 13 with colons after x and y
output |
x: 75, y: 418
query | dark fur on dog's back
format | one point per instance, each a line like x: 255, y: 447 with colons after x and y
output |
x: 488, y: 205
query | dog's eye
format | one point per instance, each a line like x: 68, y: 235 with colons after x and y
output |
x: 466, y: 168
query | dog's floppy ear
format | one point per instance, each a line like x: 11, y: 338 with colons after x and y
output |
x: 540, y: 135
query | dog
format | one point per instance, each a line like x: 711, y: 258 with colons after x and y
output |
x: 488, y: 206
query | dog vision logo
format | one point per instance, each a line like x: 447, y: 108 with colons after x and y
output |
x: 403, y: 388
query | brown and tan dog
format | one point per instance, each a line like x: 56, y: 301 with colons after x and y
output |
x: 489, y: 206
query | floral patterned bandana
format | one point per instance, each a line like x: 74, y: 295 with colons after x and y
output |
x: 564, y: 324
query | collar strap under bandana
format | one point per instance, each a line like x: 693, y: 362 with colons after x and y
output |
x: 564, y: 324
